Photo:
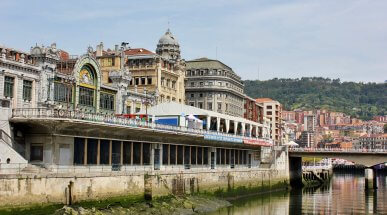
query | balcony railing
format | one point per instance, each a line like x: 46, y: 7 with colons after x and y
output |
x: 51, y: 113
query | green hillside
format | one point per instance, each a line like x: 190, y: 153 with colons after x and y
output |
x: 361, y: 100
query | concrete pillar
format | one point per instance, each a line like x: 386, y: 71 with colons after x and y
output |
x: 217, y: 124
x: 243, y: 128
x: 208, y: 123
x: 227, y: 125
x: 98, y: 151
x: 295, y: 171
x: 256, y: 131
x: 85, y: 153
x: 370, y: 179
x: 110, y: 151
x: 250, y: 130
x: 235, y: 127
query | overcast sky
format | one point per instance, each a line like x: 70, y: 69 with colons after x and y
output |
x: 344, y: 39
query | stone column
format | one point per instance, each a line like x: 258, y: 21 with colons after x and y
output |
x: 256, y: 131
x: 250, y: 130
x: 235, y: 127
x: 243, y: 128
x: 227, y: 125
x: 208, y: 123
x: 217, y: 124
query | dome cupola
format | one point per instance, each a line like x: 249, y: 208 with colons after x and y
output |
x: 168, y: 47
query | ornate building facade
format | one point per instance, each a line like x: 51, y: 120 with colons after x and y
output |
x: 162, y: 73
x: 212, y: 85
x: 113, y: 65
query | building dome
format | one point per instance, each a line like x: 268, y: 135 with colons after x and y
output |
x: 168, y: 39
x: 168, y: 47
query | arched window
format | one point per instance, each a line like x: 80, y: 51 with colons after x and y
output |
x: 87, y: 86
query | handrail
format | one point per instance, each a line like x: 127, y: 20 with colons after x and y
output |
x: 12, y: 143
x: 362, y: 150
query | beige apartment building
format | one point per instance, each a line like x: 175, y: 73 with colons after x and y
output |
x: 273, y: 111
x: 161, y: 73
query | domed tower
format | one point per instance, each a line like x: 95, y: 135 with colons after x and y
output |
x: 168, y: 47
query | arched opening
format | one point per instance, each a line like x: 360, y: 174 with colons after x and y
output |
x: 87, y: 87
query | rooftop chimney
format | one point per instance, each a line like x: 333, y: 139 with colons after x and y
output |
x: 99, y: 49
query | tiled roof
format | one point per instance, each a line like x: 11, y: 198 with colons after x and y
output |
x: 260, y: 100
x: 138, y: 51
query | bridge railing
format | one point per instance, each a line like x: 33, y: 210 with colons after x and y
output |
x: 300, y: 149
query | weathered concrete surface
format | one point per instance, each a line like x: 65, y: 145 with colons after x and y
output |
x: 16, y: 190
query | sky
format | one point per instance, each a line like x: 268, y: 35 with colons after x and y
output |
x: 259, y: 39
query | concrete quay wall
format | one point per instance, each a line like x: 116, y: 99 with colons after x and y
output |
x: 24, y: 190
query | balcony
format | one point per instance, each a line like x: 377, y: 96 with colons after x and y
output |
x: 89, y: 120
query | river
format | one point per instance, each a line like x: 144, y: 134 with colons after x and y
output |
x: 344, y: 195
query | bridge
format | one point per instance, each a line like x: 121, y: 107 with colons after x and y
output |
x: 366, y: 157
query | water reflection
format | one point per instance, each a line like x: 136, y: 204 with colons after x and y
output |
x: 344, y: 195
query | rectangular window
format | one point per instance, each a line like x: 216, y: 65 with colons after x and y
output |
x: 205, y: 155
x: 200, y: 105
x: 146, y: 153
x: 116, y: 152
x: 201, y: 95
x: 27, y: 90
x: 86, y: 96
x: 149, y: 80
x: 106, y: 101
x: 143, y: 81
x: 137, y: 81
x: 192, y: 95
x: 201, y: 84
x: 104, y: 151
x: 200, y: 156
x: 137, y: 153
x: 192, y: 84
x: 36, y: 152
x: 127, y: 153
x: 92, y: 146
x: 209, y: 105
x: 187, y: 155
x: 165, y: 154
x: 193, y: 155
x: 172, y: 154
x: 8, y: 86
x: 180, y: 154
x: 79, y: 150
x: 173, y: 84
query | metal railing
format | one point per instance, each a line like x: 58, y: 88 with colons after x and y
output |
x: 16, y: 168
x: 323, y: 164
x: 291, y: 149
x: 42, y: 113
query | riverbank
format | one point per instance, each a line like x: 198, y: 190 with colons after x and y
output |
x: 186, y: 205
x: 201, y: 203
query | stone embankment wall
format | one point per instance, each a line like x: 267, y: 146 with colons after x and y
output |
x: 29, y: 189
